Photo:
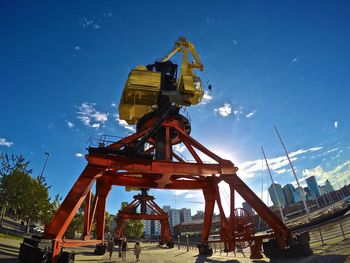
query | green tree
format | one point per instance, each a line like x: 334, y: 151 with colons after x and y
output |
x: 28, y: 197
x: 132, y: 228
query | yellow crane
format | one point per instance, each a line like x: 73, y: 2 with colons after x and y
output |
x: 151, y: 87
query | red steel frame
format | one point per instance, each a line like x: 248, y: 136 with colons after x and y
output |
x: 172, y: 173
x: 158, y: 214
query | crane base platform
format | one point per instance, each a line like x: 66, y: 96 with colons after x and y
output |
x: 299, y: 248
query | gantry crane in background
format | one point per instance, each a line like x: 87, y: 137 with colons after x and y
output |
x: 152, y: 98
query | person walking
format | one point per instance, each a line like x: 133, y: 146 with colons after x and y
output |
x: 124, y: 248
x: 110, y: 248
x: 137, y: 250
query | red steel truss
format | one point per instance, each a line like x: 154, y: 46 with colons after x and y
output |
x: 117, y: 164
x: 144, y: 201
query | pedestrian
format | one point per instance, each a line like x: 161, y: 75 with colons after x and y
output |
x: 137, y: 250
x: 124, y: 248
x: 119, y: 247
x: 110, y: 248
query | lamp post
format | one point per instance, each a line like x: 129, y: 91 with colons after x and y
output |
x: 187, y: 243
x: 47, y: 158
x: 178, y: 242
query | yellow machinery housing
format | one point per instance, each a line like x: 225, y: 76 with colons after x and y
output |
x: 140, y: 94
x: 143, y: 86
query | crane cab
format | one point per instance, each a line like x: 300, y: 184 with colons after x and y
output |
x: 140, y: 94
x: 154, y: 86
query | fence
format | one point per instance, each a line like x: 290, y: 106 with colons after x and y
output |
x: 333, y: 231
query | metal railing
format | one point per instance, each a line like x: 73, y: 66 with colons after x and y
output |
x: 330, y: 231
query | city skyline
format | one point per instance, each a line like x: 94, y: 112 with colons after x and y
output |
x: 289, y: 195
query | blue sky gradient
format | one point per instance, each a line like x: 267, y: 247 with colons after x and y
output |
x: 64, y: 65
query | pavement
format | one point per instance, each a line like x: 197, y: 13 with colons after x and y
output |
x: 330, y: 253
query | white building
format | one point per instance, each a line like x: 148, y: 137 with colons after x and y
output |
x: 185, y: 215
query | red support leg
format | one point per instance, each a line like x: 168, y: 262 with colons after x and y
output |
x: 225, y: 235
x: 281, y: 231
x: 64, y: 215
x: 86, y: 233
x: 119, y: 231
x: 232, y: 214
x: 103, y: 190
x: 209, y: 196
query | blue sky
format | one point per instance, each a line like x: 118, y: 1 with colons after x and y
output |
x: 64, y: 64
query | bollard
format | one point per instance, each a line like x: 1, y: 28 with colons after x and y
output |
x: 319, y: 229
x: 214, y: 248
x: 342, y: 230
x: 187, y: 243
x: 178, y: 242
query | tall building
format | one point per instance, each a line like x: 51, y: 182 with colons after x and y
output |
x: 280, y: 195
x: 297, y: 194
x: 247, y: 208
x: 309, y: 195
x: 174, y: 218
x: 166, y: 208
x: 323, y: 189
x: 288, y: 191
x: 329, y: 187
x: 157, y: 227
x: 148, y: 229
x: 199, y: 215
x: 313, y: 186
x: 185, y: 215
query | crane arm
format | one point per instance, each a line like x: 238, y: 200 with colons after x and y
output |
x: 183, y: 45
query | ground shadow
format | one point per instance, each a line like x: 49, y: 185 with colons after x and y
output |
x: 9, y: 260
x: 202, y: 259
x: 9, y: 247
x: 314, y: 259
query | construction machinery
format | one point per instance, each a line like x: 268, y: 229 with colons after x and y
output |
x: 152, y: 99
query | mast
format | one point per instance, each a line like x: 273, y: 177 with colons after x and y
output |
x: 273, y: 185
x: 301, y: 191
x: 262, y: 188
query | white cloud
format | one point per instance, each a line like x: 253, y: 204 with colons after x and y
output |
x: 88, y: 114
x: 225, y: 110
x: 336, y: 124
x: 79, y: 155
x: 336, y: 175
x: 206, y: 98
x: 294, y: 60
x: 70, y: 124
x: 109, y: 14
x: 180, y: 192
x: 189, y: 196
x: 87, y: 23
x: 77, y: 48
x: 302, y: 151
x: 211, y: 20
x: 234, y: 41
x: 249, y: 168
x: 281, y: 171
x: 84, y: 22
x: 251, y: 114
x: 179, y: 147
x: 332, y: 150
x: 4, y: 142
x: 114, y: 105
x: 124, y: 124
